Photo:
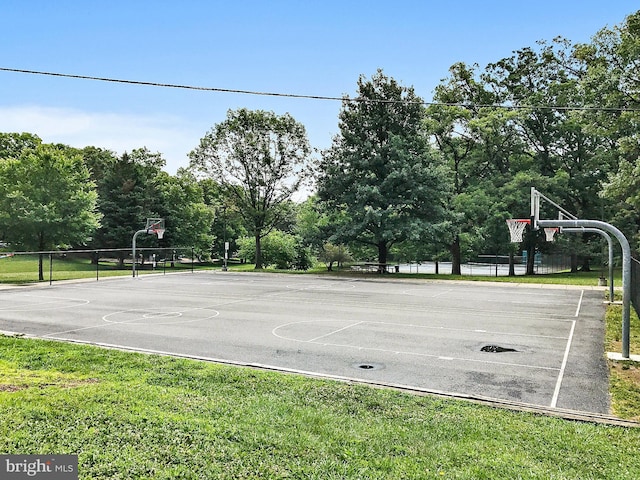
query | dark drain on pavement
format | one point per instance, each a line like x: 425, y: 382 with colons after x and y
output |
x: 496, y: 349
x: 368, y: 366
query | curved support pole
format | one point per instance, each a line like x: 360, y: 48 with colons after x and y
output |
x: 609, y: 242
x: 133, y: 249
x: 626, y: 267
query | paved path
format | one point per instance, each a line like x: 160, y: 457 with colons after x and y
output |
x: 421, y: 334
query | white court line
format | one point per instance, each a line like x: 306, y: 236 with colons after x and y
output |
x: 556, y: 392
x: 579, y: 304
x: 45, y: 306
x: 453, y: 329
x: 400, y: 352
x: 335, y: 331
x: 410, y: 325
x: 439, y: 357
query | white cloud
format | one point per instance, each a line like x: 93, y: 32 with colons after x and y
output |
x: 172, y: 136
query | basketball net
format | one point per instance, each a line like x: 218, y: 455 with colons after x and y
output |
x: 516, y: 228
x: 550, y: 232
x: 158, y: 231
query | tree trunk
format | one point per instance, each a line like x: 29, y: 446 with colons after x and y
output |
x: 456, y: 259
x: 40, y: 270
x: 531, y: 254
x: 574, y: 263
x: 512, y: 268
x: 258, y: 251
x: 382, y: 256
x: 40, y: 255
x: 586, y: 264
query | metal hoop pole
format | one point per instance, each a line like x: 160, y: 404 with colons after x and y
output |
x: 609, y: 242
x: 133, y: 250
x: 626, y: 267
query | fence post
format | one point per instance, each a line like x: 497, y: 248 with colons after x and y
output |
x: 50, y: 268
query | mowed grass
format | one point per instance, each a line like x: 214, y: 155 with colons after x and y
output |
x: 24, y: 269
x: 624, y: 380
x: 560, y: 278
x: 132, y: 416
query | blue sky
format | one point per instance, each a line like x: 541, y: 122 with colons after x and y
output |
x: 302, y: 47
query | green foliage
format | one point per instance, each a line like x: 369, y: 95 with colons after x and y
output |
x: 304, y: 259
x: 127, y: 196
x: 380, y: 176
x: 187, y: 218
x: 260, y: 160
x: 279, y: 249
x: 47, y: 200
x: 331, y: 254
x: 13, y: 144
x: 228, y: 224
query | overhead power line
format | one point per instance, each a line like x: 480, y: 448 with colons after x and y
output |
x: 320, y: 97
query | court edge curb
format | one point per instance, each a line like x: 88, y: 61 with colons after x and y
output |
x: 565, y: 414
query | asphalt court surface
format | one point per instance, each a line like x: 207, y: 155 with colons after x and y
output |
x: 420, y: 334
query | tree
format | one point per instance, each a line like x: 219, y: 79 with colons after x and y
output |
x: 558, y: 136
x: 260, y: 159
x: 380, y: 172
x: 278, y: 249
x: 612, y: 63
x: 187, y: 218
x: 228, y: 225
x: 13, y: 144
x: 478, y: 142
x: 331, y: 254
x: 127, y: 195
x: 47, y: 200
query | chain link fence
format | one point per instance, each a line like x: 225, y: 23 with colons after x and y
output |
x: 25, y: 267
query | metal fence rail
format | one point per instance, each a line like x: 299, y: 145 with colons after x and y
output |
x: 63, y: 264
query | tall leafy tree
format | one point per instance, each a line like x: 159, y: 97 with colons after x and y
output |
x: 13, y: 144
x: 613, y: 60
x: 380, y: 172
x: 479, y: 143
x: 47, y: 200
x: 127, y: 196
x: 228, y: 225
x: 545, y: 83
x: 187, y: 218
x: 260, y: 159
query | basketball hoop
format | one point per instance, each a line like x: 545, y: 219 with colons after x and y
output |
x: 516, y: 228
x: 550, y: 233
x: 155, y: 226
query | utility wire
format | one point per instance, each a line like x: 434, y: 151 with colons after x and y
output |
x: 321, y: 97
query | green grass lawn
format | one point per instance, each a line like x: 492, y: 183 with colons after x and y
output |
x: 24, y: 269
x: 561, y: 278
x: 137, y: 416
x: 624, y: 377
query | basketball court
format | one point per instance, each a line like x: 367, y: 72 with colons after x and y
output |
x: 513, y: 343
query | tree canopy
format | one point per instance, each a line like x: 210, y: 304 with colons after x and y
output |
x: 47, y: 200
x: 381, y: 172
x: 260, y: 159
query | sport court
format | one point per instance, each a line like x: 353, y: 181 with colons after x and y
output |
x: 513, y: 343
